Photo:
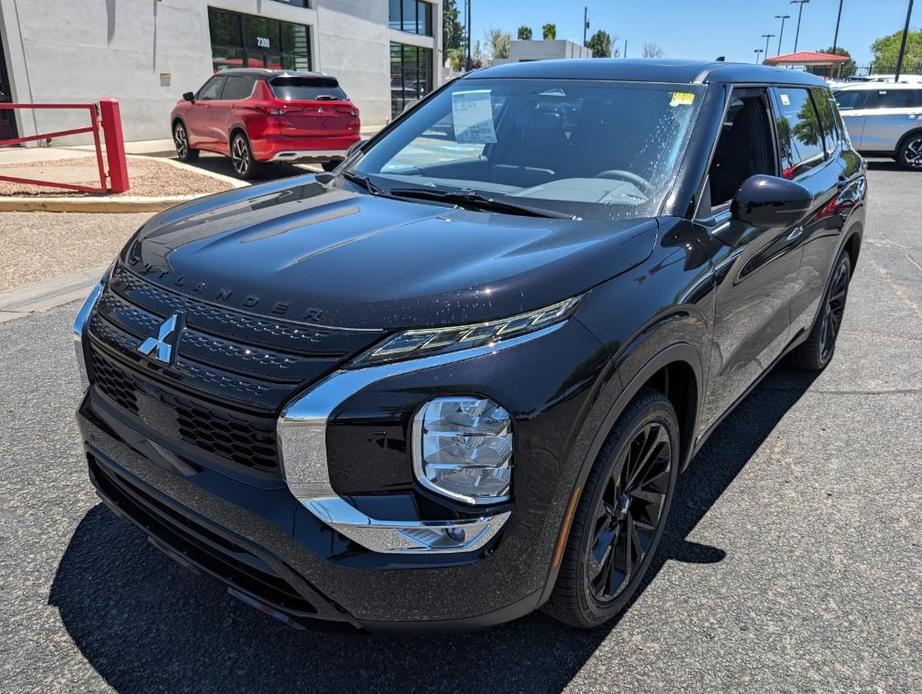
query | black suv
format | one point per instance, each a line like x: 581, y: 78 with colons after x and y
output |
x: 456, y: 379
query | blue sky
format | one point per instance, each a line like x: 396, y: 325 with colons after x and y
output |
x: 703, y: 28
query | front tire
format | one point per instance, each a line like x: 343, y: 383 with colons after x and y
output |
x: 816, y: 353
x: 909, y: 155
x: 181, y: 141
x: 242, y: 157
x: 621, y: 514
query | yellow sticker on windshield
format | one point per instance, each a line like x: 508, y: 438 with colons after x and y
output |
x: 682, y: 99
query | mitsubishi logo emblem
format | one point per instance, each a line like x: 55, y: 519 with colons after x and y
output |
x: 165, y: 342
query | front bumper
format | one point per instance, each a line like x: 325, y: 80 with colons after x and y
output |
x: 275, y: 555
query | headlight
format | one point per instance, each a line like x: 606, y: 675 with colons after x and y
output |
x: 462, y: 449
x: 413, y: 344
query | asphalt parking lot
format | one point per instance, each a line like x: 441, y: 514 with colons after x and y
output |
x: 792, y: 561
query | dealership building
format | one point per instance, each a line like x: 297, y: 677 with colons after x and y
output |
x: 146, y: 53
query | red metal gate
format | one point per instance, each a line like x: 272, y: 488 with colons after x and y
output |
x: 115, y: 145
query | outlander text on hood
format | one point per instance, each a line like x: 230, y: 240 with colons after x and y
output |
x: 455, y: 380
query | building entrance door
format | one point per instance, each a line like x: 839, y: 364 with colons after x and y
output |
x: 7, y: 118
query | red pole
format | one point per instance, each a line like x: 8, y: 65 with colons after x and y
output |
x: 115, y: 145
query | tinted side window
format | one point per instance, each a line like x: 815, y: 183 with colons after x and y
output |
x: 238, y: 87
x: 895, y: 98
x: 850, y: 100
x: 824, y: 107
x: 212, y: 89
x: 800, y: 137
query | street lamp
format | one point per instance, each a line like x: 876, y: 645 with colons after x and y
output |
x: 758, y: 52
x: 835, y: 38
x: 767, y: 37
x: 800, y: 11
x: 782, y: 17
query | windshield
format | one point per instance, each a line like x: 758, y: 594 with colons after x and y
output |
x: 593, y: 149
x: 307, y: 89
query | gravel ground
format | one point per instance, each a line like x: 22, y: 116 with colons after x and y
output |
x: 40, y: 245
x: 148, y: 178
x: 791, y: 561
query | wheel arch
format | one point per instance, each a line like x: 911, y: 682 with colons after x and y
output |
x: 677, y: 372
x: 912, y: 133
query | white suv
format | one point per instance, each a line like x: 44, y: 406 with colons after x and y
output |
x: 884, y: 120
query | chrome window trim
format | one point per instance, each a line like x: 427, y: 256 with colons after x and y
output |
x: 303, y: 458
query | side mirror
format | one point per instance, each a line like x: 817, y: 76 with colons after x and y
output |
x: 357, y: 147
x: 768, y: 201
x: 188, y: 96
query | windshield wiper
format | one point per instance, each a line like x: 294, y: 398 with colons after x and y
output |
x: 476, y: 201
x: 364, y: 182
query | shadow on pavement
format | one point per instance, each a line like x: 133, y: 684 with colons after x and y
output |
x: 265, y: 172
x: 146, y: 624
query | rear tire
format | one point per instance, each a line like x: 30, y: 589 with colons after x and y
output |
x: 242, y: 160
x: 181, y: 141
x: 816, y: 353
x: 621, y: 515
x: 909, y: 155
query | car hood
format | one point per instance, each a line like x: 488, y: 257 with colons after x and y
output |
x: 303, y: 250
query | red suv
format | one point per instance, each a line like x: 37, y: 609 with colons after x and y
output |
x: 256, y: 116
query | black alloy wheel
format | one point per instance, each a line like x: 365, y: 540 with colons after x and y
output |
x: 629, y: 512
x: 910, y: 154
x: 242, y: 156
x: 181, y: 141
x: 621, y: 514
x: 817, y: 350
x: 834, y: 310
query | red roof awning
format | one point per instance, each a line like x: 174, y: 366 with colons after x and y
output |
x: 807, y: 58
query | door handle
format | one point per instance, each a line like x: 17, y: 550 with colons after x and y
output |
x: 796, y: 233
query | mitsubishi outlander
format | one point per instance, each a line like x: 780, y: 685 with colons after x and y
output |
x: 455, y: 380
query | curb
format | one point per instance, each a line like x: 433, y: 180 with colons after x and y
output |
x: 41, y: 296
x: 230, y: 180
x: 125, y: 203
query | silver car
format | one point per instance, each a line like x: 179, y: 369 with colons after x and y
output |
x: 884, y: 120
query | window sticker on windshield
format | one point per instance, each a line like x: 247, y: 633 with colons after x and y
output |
x: 473, y: 117
x: 785, y: 99
x: 682, y: 99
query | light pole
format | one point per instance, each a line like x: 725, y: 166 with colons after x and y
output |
x: 800, y: 12
x: 782, y: 17
x: 585, y: 23
x: 758, y: 51
x: 899, y: 60
x: 767, y: 37
x: 835, y: 38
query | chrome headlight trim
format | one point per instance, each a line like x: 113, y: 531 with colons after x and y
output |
x: 80, y: 322
x: 303, y: 454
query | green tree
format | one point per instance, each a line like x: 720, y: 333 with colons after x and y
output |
x: 452, y: 29
x: 549, y: 32
x: 600, y: 43
x: 652, y: 50
x: 524, y: 33
x: 835, y: 71
x: 498, y: 41
x: 886, y: 49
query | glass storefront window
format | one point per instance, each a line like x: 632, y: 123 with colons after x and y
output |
x: 240, y: 40
x: 411, y: 75
x: 413, y: 16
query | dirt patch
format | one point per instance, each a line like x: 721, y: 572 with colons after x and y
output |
x: 147, y: 178
x: 41, y: 245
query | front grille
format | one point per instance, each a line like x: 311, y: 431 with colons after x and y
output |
x: 231, y: 374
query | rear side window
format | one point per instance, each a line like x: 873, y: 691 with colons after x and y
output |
x: 895, y: 98
x: 238, y: 87
x: 307, y: 89
x: 212, y: 89
x: 800, y: 137
x: 824, y: 106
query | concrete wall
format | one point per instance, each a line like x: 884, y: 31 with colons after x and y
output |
x: 546, y: 50
x: 146, y: 53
